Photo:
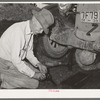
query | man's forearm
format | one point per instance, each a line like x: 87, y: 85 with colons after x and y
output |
x: 23, y: 68
x: 33, y: 60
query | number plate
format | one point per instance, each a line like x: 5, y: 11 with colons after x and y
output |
x: 90, y: 17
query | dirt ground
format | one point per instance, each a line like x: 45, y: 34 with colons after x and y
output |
x: 60, y: 74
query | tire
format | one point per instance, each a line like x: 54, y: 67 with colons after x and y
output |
x: 44, y: 57
x: 82, y: 66
x: 52, y: 49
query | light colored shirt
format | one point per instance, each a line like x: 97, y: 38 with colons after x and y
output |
x: 12, y: 44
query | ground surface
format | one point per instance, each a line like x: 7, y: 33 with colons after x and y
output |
x: 61, y: 73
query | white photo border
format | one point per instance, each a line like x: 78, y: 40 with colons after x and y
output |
x: 49, y: 93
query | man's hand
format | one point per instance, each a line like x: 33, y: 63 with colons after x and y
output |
x: 39, y: 76
x: 42, y: 68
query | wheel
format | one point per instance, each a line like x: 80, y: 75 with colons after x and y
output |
x: 52, y: 49
x: 90, y: 66
x: 43, y: 54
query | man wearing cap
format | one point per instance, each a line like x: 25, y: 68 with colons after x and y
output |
x: 16, y: 44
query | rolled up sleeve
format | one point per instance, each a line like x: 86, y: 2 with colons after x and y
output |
x: 31, y: 57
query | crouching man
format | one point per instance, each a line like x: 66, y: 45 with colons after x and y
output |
x: 16, y: 44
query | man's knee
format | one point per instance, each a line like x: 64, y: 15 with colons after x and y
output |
x: 35, y: 84
x: 20, y: 83
x: 31, y: 83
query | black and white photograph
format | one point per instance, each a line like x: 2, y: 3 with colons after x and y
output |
x: 49, y: 46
